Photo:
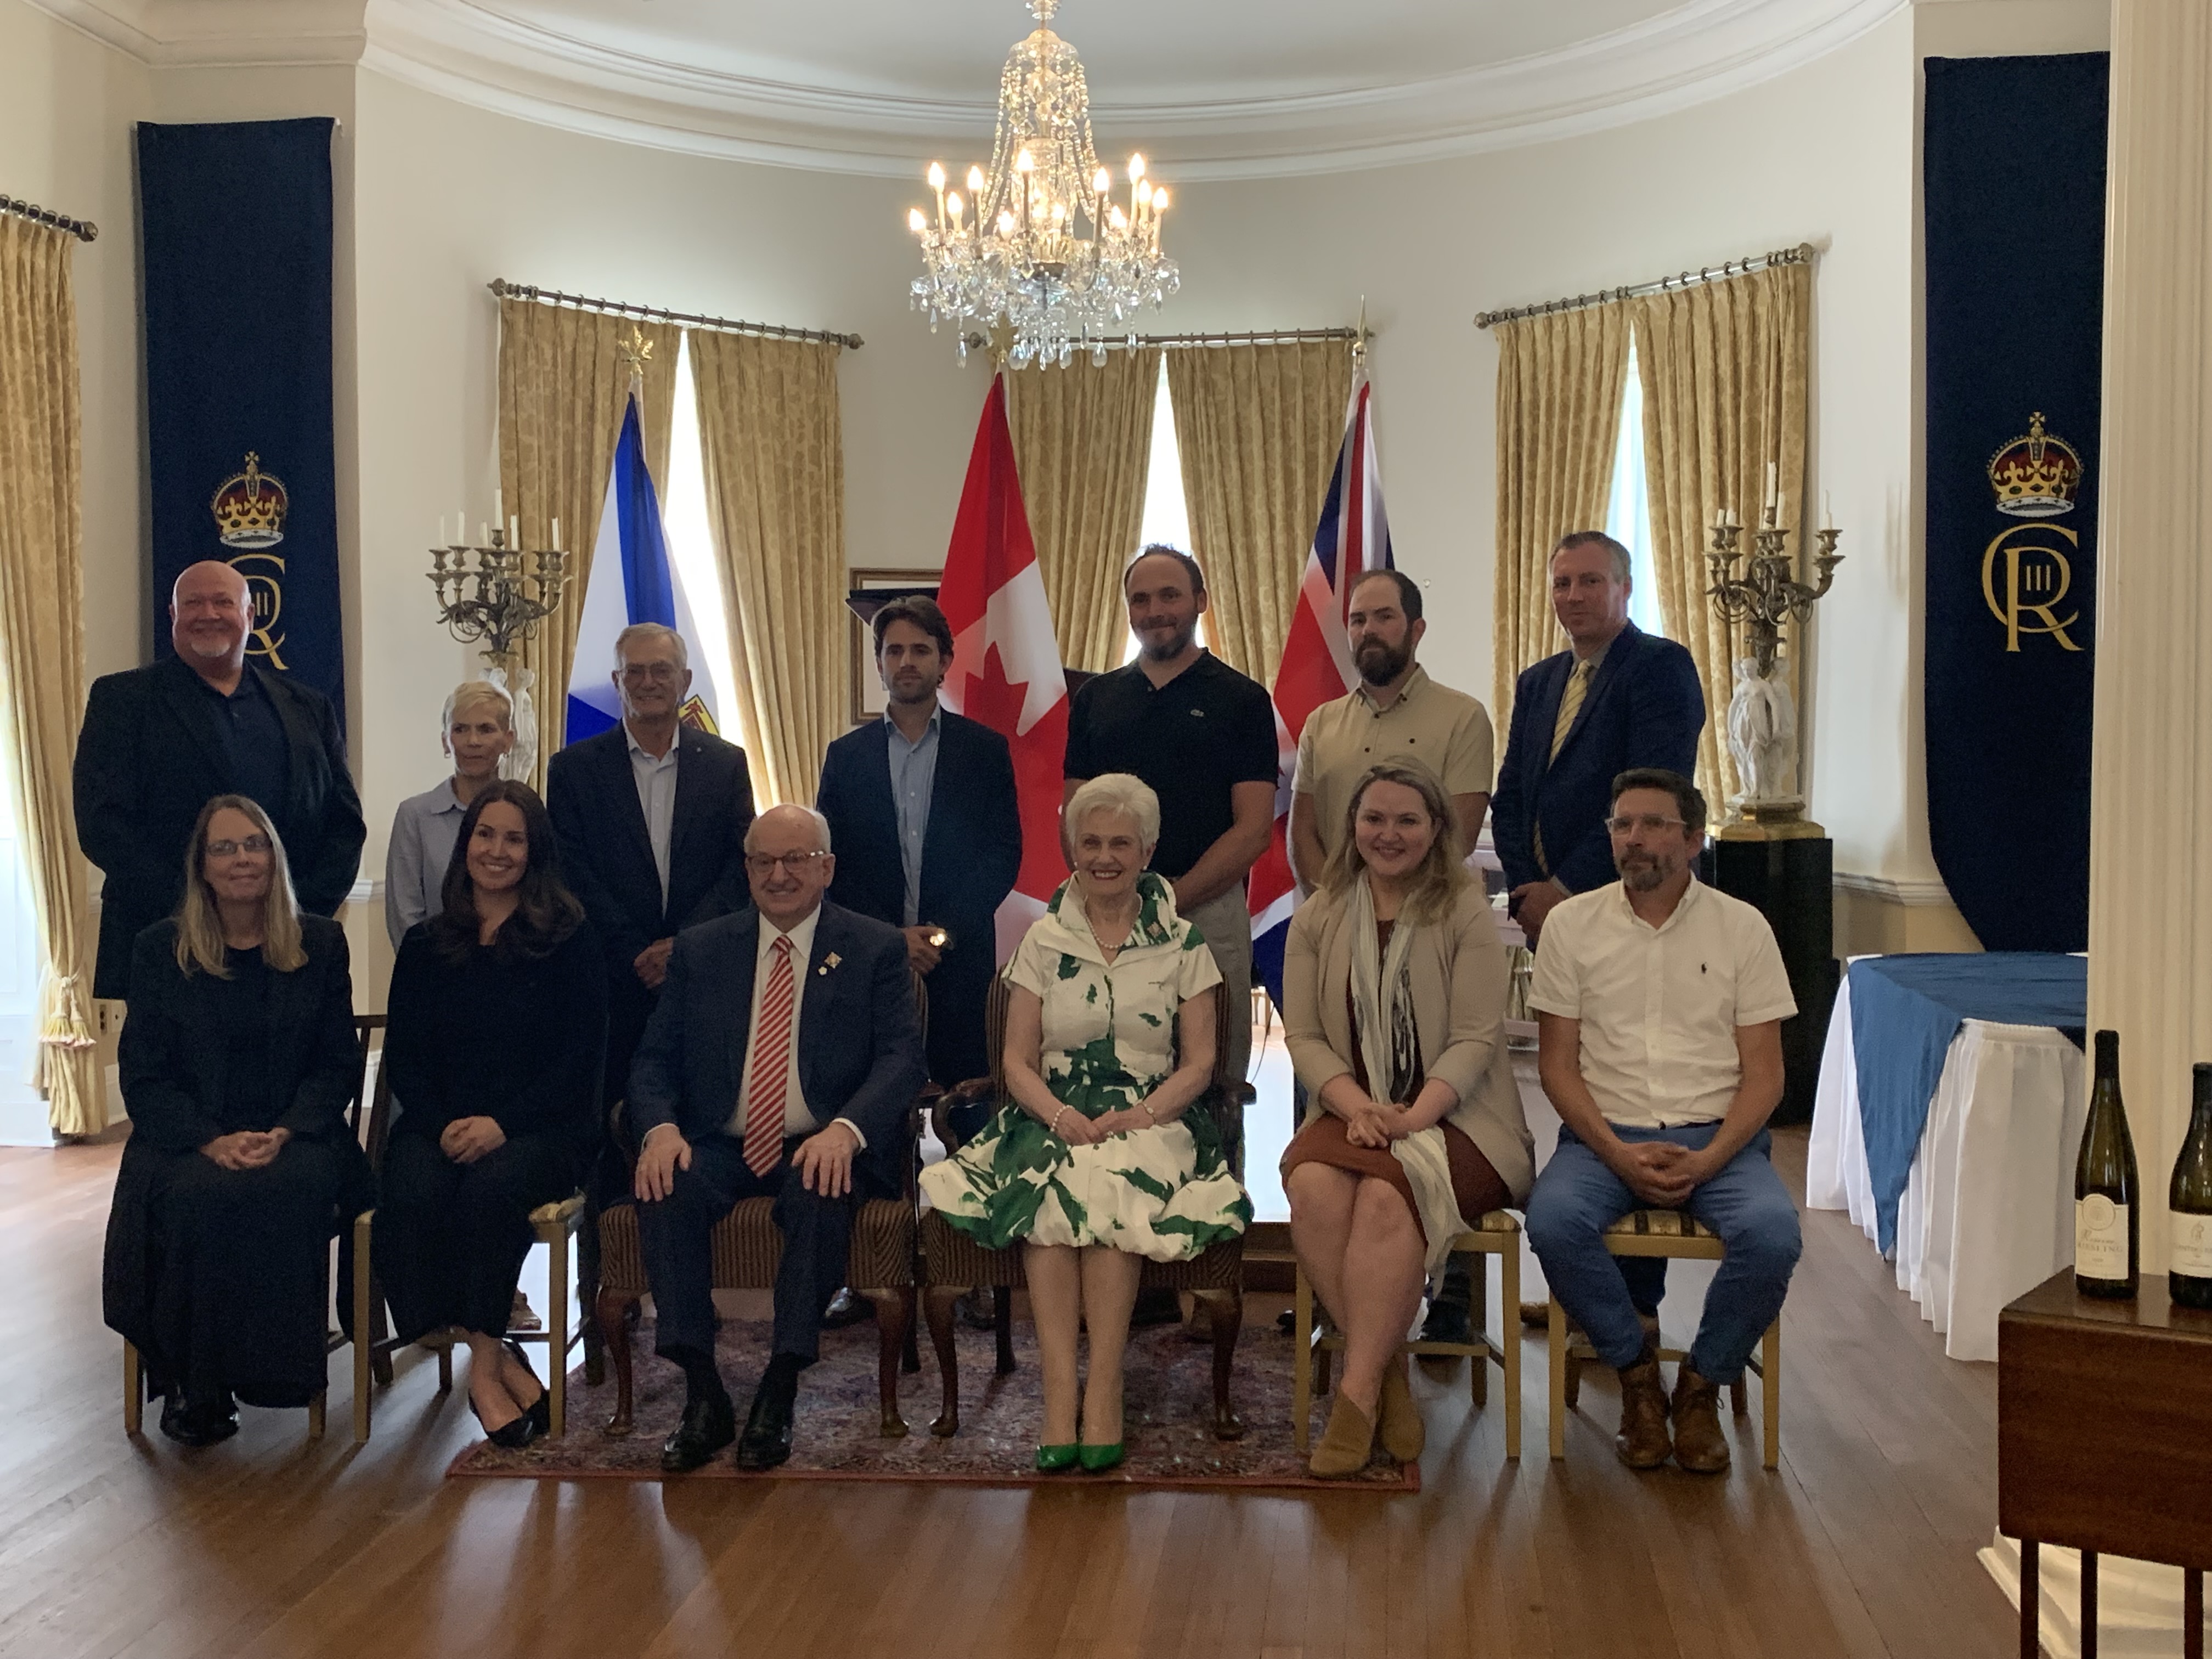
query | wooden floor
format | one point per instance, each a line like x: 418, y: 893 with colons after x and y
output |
x: 272, y: 1545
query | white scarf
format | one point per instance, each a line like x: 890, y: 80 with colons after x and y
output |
x: 1390, y: 1045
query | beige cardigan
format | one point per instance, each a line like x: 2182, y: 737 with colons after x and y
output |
x: 1460, y: 979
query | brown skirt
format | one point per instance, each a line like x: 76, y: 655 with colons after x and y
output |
x: 1475, y: 1184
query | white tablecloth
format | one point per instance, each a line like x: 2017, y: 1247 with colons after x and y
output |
x: 1988, y: 1209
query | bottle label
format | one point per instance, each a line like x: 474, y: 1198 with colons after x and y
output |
x: 2100, y: 1237
x: 2192, y: 1246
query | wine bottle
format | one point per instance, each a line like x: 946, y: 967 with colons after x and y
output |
x: 2107, y: 1207
x: 2189, y: 1202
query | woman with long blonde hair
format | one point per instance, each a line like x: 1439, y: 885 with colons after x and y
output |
x: 1394, y: 1002
x: 238, y: 1060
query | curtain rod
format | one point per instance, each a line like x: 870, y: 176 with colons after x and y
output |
x: 506, y: 290
x: 83, y: 229
x: 1185, y: 342
x: 1802, y: 254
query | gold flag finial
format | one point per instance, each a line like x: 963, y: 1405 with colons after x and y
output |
x: 636, y: 351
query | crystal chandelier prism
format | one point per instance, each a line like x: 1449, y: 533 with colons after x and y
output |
x: 1041, y: 245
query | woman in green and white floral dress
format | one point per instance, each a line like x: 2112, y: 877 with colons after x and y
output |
x: 1091, y: 1161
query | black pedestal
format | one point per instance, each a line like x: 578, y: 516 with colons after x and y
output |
x: 1792, y: 883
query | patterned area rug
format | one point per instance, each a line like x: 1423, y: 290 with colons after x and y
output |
x: 1169, y: 1389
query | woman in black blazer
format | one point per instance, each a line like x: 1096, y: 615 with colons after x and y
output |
x: 496, y: 1037
x: 238, y: 1059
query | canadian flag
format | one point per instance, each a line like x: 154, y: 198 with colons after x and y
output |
x: 1006, y: 660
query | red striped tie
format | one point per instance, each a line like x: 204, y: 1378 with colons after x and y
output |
x: 769, y: 1069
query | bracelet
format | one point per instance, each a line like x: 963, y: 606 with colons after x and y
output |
x: 1151, y: 1115
x: 1054, y: 1125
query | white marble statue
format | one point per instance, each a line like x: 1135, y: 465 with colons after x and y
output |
x: 1762, y: 732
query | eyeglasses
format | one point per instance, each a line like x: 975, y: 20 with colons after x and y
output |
x: 658, y: 673
x: 1650, y: 823
x: 760, y: 864
x: 225, y: 849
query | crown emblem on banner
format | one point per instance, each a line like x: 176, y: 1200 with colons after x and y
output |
x: 2035, y: 476
x: 249, y: 507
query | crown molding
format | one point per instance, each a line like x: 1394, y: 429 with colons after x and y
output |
x: 1894, y: 890
x: 1697, y: 51
x: 221, y: 34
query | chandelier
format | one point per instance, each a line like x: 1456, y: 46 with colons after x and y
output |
x: 1041, y: 245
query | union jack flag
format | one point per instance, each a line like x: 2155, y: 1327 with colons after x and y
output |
x: 1353, y: 538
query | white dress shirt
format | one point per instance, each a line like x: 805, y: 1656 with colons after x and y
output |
x: 656, y: 796
x: 797, y: 1120
x: 1660, y: 1006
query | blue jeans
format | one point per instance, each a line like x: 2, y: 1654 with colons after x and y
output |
x: 1577, y: 1198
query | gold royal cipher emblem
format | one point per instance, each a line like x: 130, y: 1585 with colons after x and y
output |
x: 249, y: 508
x: 2026, y: 573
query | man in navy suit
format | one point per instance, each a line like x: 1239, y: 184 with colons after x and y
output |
x: 1618, y: 698
x: 928, y: 831
x: 779, y: 1063
x: 651, y: 818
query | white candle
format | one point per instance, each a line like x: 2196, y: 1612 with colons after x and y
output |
x: 1773, y: 487
x: 556, y: 535
x: 514, y: 531
x: 441, y: 530
x: 1827, y: 511
x: 460, y: 525
x: 499, y: 501
x: 483, y: 534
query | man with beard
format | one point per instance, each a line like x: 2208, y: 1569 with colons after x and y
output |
x: 1395, y: 712
x: 1660, y: 1003
x: 158, y: 742
x: 1203, y: 737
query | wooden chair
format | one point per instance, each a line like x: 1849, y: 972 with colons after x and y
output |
x: 747, y: 1248
x: 1677, y: 1237
x: 1497, y: 1233
x: 555, y: 1224
x: 365, y: 1027
x: 955, y: 1264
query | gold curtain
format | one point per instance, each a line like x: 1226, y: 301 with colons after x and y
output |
x: 773, y: 449
x: 1083, y: 444
x: 563, y: 380
x: 1723, y: 368
x: 1560, y: 381
x: 42, y: 644
x: 1259, y: 426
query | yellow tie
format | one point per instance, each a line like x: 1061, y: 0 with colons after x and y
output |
x: 1571, y: 703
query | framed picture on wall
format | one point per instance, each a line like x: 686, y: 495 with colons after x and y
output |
x: 866, y: 592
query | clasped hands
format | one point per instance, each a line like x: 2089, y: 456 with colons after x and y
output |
x: 1377, y: 1124
x: 247, y: 1149
x: 1661, y: 1173
x: 1077, y: 1130
x: 466, y: 1140
x: 824, y: 1160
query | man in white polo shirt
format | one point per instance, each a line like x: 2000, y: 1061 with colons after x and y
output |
x: 1660, y: 1003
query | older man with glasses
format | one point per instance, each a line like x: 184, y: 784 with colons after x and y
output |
x: 1660, y: 1003
x: 806, y: 1104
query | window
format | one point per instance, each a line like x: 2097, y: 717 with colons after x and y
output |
x: 683, y: 520
x: 22, y: 1114
x: 1628, y: 513
x: 1166, y: 515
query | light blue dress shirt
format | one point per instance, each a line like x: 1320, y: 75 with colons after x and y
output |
x: 423, y: 832
x: 656, y: 795
x: 913, y: 779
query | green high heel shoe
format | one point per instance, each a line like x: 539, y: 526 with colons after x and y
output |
x: 1052, y: 1460
x: 1098, y: 1459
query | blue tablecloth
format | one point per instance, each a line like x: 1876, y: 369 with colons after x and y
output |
x: 1904, y: 1011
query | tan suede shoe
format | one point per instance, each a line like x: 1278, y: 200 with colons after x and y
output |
x: 1699, y: 1445
x: 1643, y: 1441
x: 1345, y: 1444
x: 1402, y: 1431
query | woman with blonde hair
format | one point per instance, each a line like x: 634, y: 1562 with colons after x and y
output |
x: 478, y: 732
x: 1094, y: 1162
x: 238, y: 1060
x: 1394, y: 985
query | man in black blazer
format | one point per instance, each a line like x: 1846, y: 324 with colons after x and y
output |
x: 780, y: 1064
x: 651, y: 816
x: 157, y: 742
x: 1617, y: 698
x: 928, y: 831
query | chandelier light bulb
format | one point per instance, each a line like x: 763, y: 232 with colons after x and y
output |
x: 915, y: 222
x: 1024, y: 162
x: 1119, y: 220
x: 1136, y: 168
x: 1005, y: 221
x: 1103, y: 183
x: 1159, y: 201
x: 936, y: 176
x: 975, y: 182
x: 952, y: 206
x: 1144, y: 192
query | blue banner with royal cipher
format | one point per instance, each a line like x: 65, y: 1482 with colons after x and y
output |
x: 2014, y: 189
x: 241, y: 459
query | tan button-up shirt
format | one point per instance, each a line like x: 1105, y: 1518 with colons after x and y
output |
x: 1447, y: 731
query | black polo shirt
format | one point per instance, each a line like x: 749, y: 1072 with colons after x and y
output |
x: 1207, y: 729
x: 253, y: 737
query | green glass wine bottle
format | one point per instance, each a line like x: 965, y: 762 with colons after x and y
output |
x: 2107, y: 1201
x: 2189, y: 1202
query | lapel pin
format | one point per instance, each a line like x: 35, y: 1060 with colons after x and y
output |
x: 829, y: 962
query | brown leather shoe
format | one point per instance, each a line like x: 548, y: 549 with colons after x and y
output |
x: 1345, y: 1444
x: 1643, y: 1441
x: 1699, y: 1446
x: 1402, y: 1432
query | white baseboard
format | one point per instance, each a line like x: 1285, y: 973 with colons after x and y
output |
x: 1893, y: 890
x: 2138, y: 1602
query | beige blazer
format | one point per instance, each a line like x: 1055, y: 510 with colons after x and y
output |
x: 1460, y: 979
